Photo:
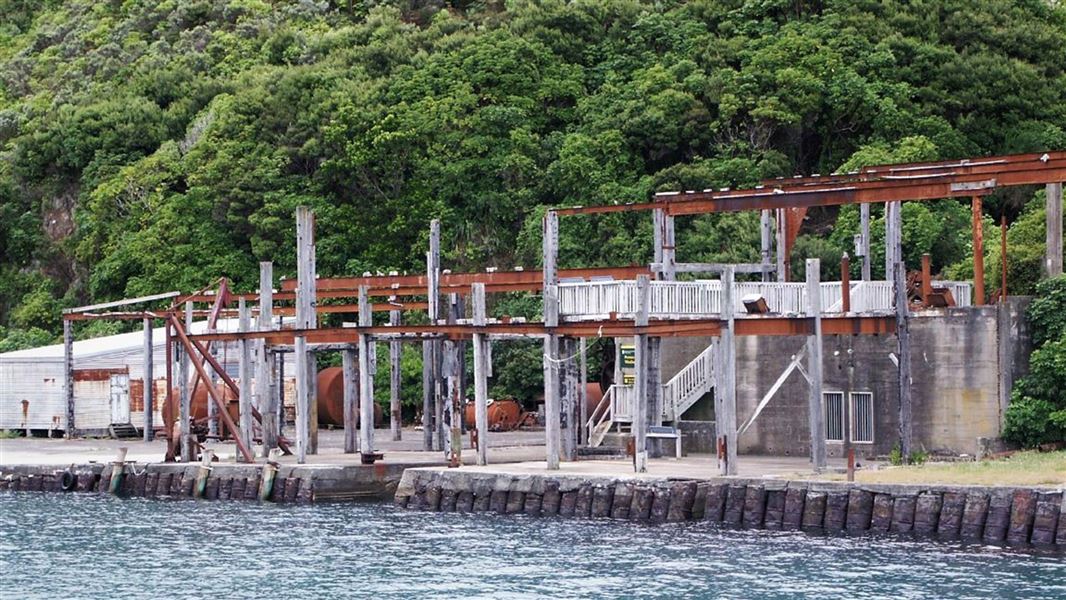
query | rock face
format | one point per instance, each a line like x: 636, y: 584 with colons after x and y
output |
x: 998, y: 515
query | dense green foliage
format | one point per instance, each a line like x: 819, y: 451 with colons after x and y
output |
x: 155, y: 145
x: 1037, y: 412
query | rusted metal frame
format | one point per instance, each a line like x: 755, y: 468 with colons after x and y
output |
x: 977, y: 223
x: 498, y: 280
x: 845, y: 283
x: 221, y: 299
x: 211, y: 390
x: 1003, y: 258
x: 178, y: 303
x: 969, y: 166
x: 927, y: 278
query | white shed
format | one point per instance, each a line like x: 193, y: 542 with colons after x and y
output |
x: 108, y: 382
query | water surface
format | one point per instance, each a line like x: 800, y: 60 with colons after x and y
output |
x: 89, y: 546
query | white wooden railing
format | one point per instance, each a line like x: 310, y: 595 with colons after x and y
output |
x: 690, y: 299
x: 689, y: 385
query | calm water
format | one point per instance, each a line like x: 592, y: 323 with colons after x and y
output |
x: 75, y: 546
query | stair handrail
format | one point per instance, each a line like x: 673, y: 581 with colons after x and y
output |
x: 692, y: 377
x: 601, y: 413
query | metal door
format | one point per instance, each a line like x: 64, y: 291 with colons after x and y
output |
x: 120, y: 399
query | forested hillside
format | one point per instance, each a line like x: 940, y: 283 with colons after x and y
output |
x: 155, y: 145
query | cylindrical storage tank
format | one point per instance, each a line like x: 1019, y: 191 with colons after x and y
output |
x: 200, y: 399
x: 593, y: 396
x: 504, y: 415
x: 331, y: 399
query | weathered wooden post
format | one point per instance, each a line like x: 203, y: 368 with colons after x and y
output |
x: 244, y: 402
x: 583, y: 404
x: 781, y: 245
x: 568, y: 371
x: 845, y: 283
x: 893, y: 236
x: 904, y: 357
x: 184, y: 394
x: 864, y: 239
x: 350, y: 372
x: 725, y: 416
x: 766, y: 242
x: 268, y: 403
x: 639, y: 409
x: 68, y: 374
x: 306, y: 419
x: 552, y: 423
x: 453, y: 374
x: 147, y: 377
x: 429, y: 375
x: 395, y: 422
x: 1053, y: 253
x: 481, y: 373
x: 978, y: 252
x: 366, y: 381
x: 816, y: 420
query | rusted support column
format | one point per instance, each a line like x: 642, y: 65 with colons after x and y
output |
x: 366, y: 381
x: 725, y: 396
x: 903, y: 337
x: 864, y: 239
x: 978, y: 252
x: 814, y: 366
x: 68, y: 374
x: 1003, y: 259
x: 429, y: 374
x: 395, y: 423
x: 1053, y: 254
x: 640, y: 387
x: 351, y: 398
x: 481, y: 374
x: 147, y: 377
x: 927, y: 279
x: 268, y: 402
x: 552, y: 424
x: 845, y: 283
x: 766, y: 242
x: 244, y: 401
x: 184, y: 393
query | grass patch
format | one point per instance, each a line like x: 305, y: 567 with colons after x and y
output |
x: 1021, y: 468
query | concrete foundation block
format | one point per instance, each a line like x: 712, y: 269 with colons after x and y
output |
x: 660, y: 505
x: 775, y: 509
x: 567, y: 504
x: 998, y: 521
x: 860, y: 510
x: 306, y: 492
x: 151, y: 484
x: 498, y: 502
x: 237, y: 488
x: 814, y: 510
x: 281, y: 484
x: 682, y: 497
x: 953, y: 504
x: 754, y: 506
x: 699, y: 501
x: 516, y: 502
x: 927, y: 513
x: 552, y: 498
x: 583, y: 502
x: 836, y: 511
x: 881, y: 518
x: 251, y: 488
x: 140, y: 484
x: 464, y: 501
x: 903, y: 514
x: 448, y: 498
x: 974, y: 515
x: 714, y: 506
x: 734, y: 505
x: 640, y: 507
x: 1060, y: 531
x: 1046, y: 518
x: 292, y: 489
x: 602, y: 500
x: 795, y: 503
x: 1022, y: 512
x: 225, y: 489
x: 532, y: 504
x: 623, y: 498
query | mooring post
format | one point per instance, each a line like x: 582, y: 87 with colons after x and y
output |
x: 203, y: 473
x: 266, y: 481
x: 1053, y: 252
x: 264, y: 360
x: 552, y: 422
x: 640, y: 384
x: 148, y: 379
x: 395, y: 422
x: 350, y: 372
x: 68, y: 374
x: 244, y: 402
x: 183, y: 391
x: 904, y: 357
x: 726, y: 392
x: 766, y: 242
x: 118, y: 469
x: 481, y: 373
x: 305, y: 319
x: 978, y: 251
x: 366, y: 378
x: 864, y: 239
x: 429, y: 375
x: 814, y: 365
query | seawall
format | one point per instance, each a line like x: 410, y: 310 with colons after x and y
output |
x: 290, y: 483
x: 990, y: 514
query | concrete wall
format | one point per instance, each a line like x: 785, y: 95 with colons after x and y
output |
x: 963, y: 363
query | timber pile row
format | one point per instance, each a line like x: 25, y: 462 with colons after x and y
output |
x: 179, y: 483
x: 993, y: 515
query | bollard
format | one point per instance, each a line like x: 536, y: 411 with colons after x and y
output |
x: 117, y: 469
x: 266, y: 484
x: 203, y: 473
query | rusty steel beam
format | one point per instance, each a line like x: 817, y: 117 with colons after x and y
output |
x: 501, y: 281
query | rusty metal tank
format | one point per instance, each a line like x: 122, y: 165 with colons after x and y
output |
x: 504, y: 415
x: 200, y: 399
x: 331, y: 399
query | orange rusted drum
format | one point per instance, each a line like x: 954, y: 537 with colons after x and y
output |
x: 200, y: 399
x: 593, y: 396
x: 331, y: 399
x: 504, y: 415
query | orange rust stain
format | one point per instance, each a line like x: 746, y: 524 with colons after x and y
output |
x: 136, y: 395
x: 97, y: 374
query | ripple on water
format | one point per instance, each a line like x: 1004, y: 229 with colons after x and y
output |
x: 87, y: 546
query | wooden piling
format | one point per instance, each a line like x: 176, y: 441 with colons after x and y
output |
x: 350, y: 373
x: 68, y: 375
x: 906, y: 425
x: 264, y: 361
x: 640, y: 387
x: 978, y: 251
x: 766, y: 243
x: 395, y: 422
x: 429, y: 373
x: 864, y: 239
x: 184, y: 394
x: 481, y: 369
x: 366, y: 381
x: 1053, y: 251
x: 306, y: 407
x: 244, y: 398
x: 552, y: 404
x: 815, y: 415
x: 148, y: 379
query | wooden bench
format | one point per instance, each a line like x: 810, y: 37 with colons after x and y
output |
x: 663, y: 432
